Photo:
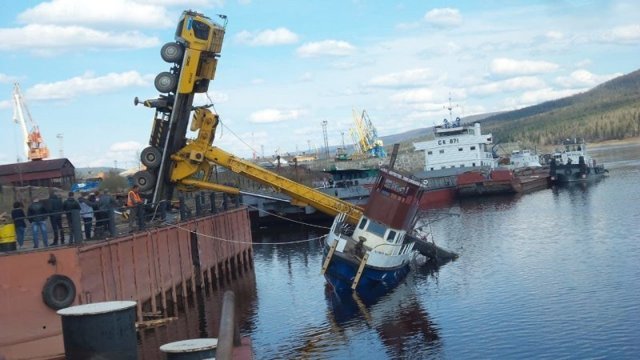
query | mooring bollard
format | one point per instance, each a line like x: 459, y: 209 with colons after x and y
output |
x: 105, y: 330
x: 192, y: 349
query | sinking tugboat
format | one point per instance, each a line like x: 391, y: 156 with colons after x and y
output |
x: 376, y: 254
x: 573, y: 164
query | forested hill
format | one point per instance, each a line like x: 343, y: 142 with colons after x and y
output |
x: 609, y: 111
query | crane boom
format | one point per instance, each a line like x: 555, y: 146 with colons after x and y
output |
x: 34, y: 146
x: 191, y: 169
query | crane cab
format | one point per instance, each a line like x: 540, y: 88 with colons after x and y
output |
x: 198, y: 45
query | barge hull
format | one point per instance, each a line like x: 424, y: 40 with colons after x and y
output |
x: 153, y: 268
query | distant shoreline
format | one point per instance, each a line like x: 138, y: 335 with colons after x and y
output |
x: 628, y: 141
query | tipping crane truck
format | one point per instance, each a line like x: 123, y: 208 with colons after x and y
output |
x: 194, y: 57
x: 172, y: 161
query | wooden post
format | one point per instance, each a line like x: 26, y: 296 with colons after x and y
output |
x: 228, y: 334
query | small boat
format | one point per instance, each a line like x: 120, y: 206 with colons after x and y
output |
x: 573, y: 164
x: 352, y: 185
x: 377, y: 253
x: 521, y: 159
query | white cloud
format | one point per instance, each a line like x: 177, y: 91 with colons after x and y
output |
x: 413, y: 96
x: 626, y: 34
x: 306, y: 77
x: 6, y: 79
x: 325, y: 48
x: 183, y: 3
x: 5, y: 104
x: 42, y: 38
x: 87, y: 84
x: 126, y: 153
x: 413, y: 77
x: 513, y: 84
x: 275, y: 115
x: 539, y: 96
x: 126, y: 146
x: 96, y: 13
x: 279, y: 36
x: 583, y: 63
x: 505, y: 66
x: 443, y: 17
x: 584, y: 78
x: 201, y: 99
x: 554, y: 35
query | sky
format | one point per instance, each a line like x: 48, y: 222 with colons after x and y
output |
x: 288, y: 66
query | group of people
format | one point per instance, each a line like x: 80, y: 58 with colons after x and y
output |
x: 97, y: 206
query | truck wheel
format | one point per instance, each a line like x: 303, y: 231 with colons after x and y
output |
x: 166, y: 82
x: 144, y: 179
x: 151, y: 157
x: 172, y: 52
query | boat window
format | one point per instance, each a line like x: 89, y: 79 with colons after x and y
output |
x: 459, y: 149
x: 376, y: 228
x: 430, y: 153
x: 363, y: 222
x: 391, y: 236
x: 442, y: 151
x: 473, y: 164
x: 431, y: 169
x: 473, y: 148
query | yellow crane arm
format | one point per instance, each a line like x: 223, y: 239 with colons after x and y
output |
x: 192, y: 168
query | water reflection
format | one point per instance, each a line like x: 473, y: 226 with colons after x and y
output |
x: 199, y: 316
x: 397, y: 317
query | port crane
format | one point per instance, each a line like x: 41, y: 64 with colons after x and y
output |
x: 34, y: 146
x: 172, y: 161
x: 365, y: 136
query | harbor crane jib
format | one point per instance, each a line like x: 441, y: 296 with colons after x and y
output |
x: 34, y: 146
x: 365, y: 136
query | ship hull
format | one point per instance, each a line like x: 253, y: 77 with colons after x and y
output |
x: 153, y: 268
x: 575, y: 173
x: 342, y: 271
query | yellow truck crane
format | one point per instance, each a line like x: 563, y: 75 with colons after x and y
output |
x: 171, y: 160
x: 194, y: 57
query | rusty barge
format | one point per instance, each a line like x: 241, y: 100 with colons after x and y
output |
x: 157, y: 268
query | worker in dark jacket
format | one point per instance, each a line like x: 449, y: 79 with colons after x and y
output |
x: 70, y: 204
x: 18, y: 216
x: 37, y: 216
x: 55, y: 216
x: 106, y: 204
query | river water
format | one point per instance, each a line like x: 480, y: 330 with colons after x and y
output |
x: 551, y: 274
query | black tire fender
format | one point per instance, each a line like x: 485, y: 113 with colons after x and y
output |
x: 58, y: 292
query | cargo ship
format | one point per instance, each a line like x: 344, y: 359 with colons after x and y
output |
x: 456, y: 149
